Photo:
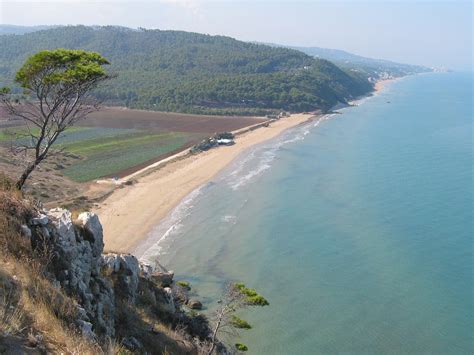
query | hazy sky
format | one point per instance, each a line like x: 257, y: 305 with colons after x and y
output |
x: 437, y: 33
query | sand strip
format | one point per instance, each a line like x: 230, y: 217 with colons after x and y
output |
x: 379, y: 85
x: 131, y: 211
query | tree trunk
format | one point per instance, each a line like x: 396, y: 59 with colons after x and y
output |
x: 214, y: 334
x: 29, y: 169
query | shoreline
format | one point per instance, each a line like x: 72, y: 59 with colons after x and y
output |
x: 157, y: 193
x: 160, y: 187
x: 380, y: 84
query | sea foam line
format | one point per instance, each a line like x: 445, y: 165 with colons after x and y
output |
x: 267, y: 152
x: 171, y: 225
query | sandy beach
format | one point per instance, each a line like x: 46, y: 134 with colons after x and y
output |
x: 379, y: 85
x: 130, y: 212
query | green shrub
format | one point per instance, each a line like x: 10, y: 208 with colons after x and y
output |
x: 253, y: 297
x: 184, y: 284
x: 241, y: 347
x: 240, y: 323
x: 257, y: 300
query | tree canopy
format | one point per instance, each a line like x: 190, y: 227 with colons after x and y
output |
x: 194, y: 73
x: 57, y: 86
x: 61, y: 67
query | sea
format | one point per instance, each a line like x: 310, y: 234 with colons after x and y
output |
x: 356, y: 227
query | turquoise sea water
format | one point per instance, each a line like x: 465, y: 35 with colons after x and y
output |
x: 358, y: 229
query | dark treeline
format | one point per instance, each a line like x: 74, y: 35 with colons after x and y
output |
x: 194, y: 73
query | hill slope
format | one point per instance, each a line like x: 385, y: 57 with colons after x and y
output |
x: 190, y: 72
x: 19, y: 30
x: 374, y: 68
x: 60, y: 294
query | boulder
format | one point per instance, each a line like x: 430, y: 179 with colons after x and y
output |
x: 76, y: 263
x: 93, y: 231
x: 61, y: 220
x: 86, y: 329
x: 164, y: 279
x: 171, y: 307
x: 25, y: 231
x: 125, y: 270
x: 131, y: 343
x: 146, y: 270
x: 180, y: 294
x: 194, y: 304
x: 41, y: 220
x: 99, y: 281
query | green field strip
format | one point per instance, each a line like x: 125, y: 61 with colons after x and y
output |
x: 94, y: 146
x: 109, y: 162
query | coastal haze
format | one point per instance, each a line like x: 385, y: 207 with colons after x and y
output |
x: 311, y: 157
x: 428, y: 32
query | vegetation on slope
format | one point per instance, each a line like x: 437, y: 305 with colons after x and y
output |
x: 194, y: 73
x: 33, y: 313
x: 38, y: 315
x: 369, y: 67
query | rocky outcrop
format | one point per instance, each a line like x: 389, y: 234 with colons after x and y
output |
x: 102, y: 282
x: 124, y: 270
x: 76, y: 263
x: 194, y: 304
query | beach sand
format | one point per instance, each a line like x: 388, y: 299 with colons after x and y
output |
x: 130, y: 212
x: 379, y: 85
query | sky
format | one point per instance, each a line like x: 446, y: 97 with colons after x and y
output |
x: 432, y: 33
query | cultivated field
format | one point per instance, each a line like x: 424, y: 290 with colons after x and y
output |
x: 165, y: 121
x: 115, y: 142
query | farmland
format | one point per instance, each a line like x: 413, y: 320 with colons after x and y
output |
x: 115, y: 142
x: 115, y: 155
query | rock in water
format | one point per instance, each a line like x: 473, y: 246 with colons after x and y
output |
x: 194, y: 304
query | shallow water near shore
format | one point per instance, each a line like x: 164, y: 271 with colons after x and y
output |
x: 357, y: 228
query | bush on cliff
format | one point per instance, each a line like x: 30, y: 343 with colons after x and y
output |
x: 42, y: 308
x: 33, y: 312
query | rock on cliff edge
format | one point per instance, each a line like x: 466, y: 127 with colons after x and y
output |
x: 103, y: 283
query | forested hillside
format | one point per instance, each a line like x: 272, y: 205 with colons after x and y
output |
x: 374, y: 68
x: 190, y: 72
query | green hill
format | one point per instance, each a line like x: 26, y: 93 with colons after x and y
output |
x: 195, y: 73
x: 373, y: 68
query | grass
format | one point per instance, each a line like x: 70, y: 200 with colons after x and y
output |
x: 37, y: 317
x: 71, y: 135
x: 80, y: 134
x: 108, y: 156
x: 108, y: 151
x: 9, y: 134
x: 90, y: 147
x: 32, y: 309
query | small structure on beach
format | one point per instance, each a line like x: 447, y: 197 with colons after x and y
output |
x: 225, y: 141
x: 225, y: 138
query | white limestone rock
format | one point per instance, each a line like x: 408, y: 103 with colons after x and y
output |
x: 41, y: 220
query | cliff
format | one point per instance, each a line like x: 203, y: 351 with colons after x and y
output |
x: 60, y: 293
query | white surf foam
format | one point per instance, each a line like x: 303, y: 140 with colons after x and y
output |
x: 171, y: 225
x: 244, y: 170
x: 229, y: 219
x: 262, y: 157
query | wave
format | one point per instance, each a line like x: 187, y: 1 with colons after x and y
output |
x: 229, y: 219
x: 262, y: 156
x: 242, y: 171
x: 171, y: 225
